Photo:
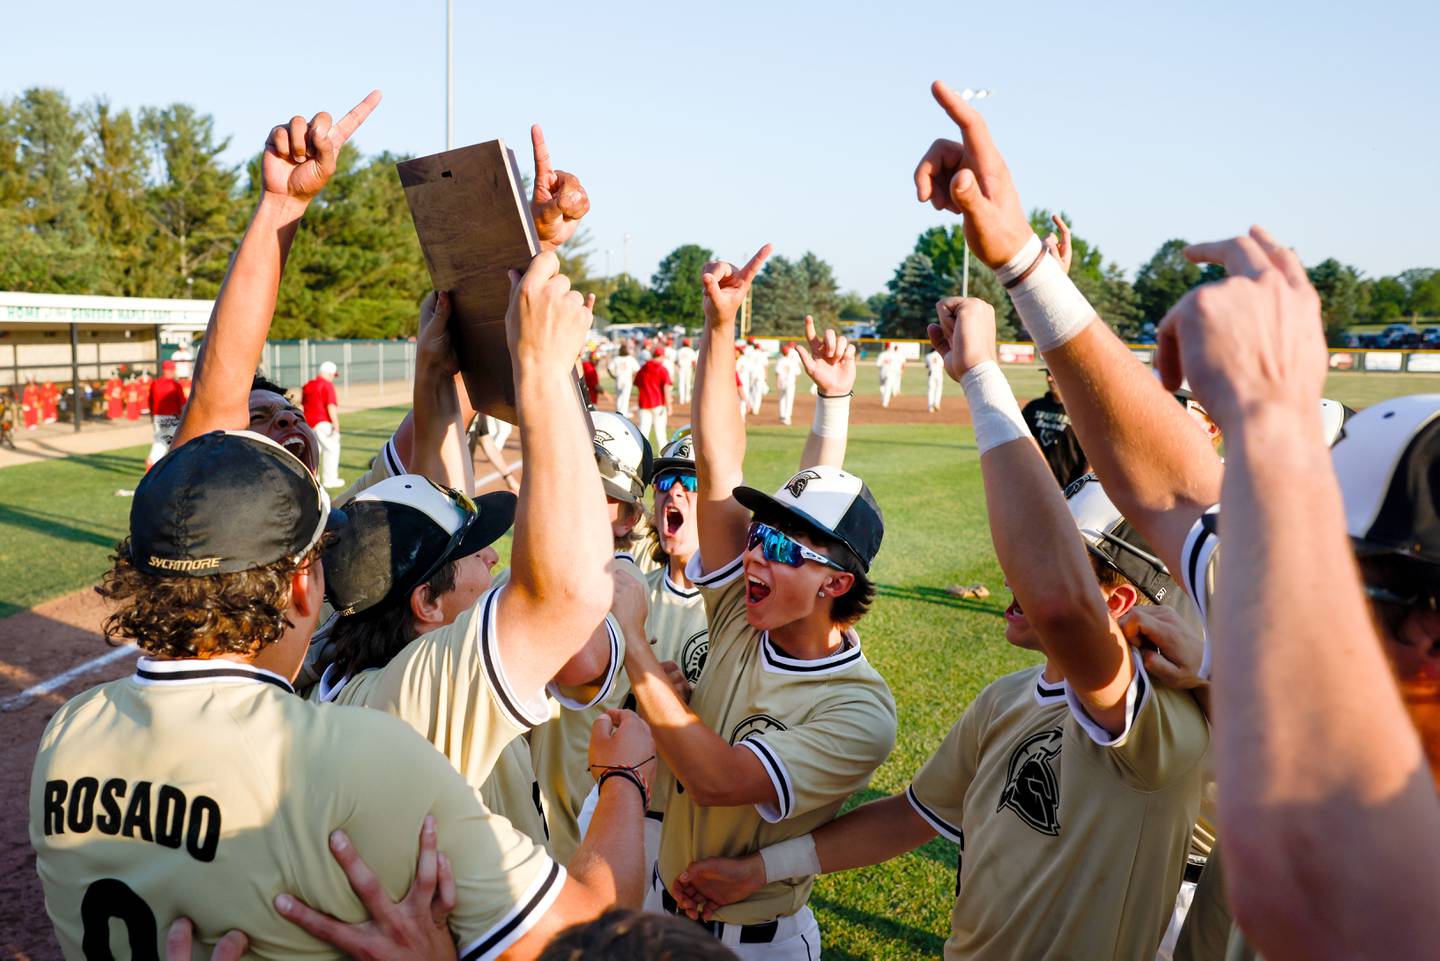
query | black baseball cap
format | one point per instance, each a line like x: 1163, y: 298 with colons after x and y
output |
x: 827, y: 501
x: 678, y: 455
x: 1116, y: 542
x: 400, y: 532
x: 226, y: 502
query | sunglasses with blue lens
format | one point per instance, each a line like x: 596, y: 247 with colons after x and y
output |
x: 780, y: 548
x: 666, y: 481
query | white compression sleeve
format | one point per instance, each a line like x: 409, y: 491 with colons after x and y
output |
x: 795, y: 858
x: 832, y: 416
x: 993, y: 406
x: 1049, y: 304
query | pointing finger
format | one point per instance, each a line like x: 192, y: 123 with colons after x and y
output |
x: 748, y: 272
x: 543, y: 171
x: 972, y: 125
x: 351, y: 122
x: 806, y: 360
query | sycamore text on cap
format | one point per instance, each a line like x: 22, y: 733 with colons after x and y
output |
x: 185, y: 564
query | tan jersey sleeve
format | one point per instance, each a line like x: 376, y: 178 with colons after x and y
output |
x: 386, y: 463
x: 937, y: 792
x: 1165, y: 734
x: 828, y: 757
x: 1199, y: 560
x: 580, y: 698
x: 723, y: 591
x: 504, y: 881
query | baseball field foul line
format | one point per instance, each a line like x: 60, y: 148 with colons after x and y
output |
x: 496, y: 475
x: 60, y: 680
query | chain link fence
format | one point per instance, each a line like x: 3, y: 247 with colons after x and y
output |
x: 292, y: 363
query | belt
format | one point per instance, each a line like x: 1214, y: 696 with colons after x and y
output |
x: 1193, y: 870
x: 762, y: 933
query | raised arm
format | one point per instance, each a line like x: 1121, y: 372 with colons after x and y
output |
x: 298, y: 161
x: 1036, y: 541
x: 440, y: 452
x: 1157, y: 469
x: 719, y: 427
x: 1332, y: 853
x: 559, y: 587
x: 830, y: 363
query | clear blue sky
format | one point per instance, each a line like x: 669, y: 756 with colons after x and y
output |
x: 799, y: 122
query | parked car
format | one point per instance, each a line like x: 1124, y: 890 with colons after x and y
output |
x: 1430, y: 337
x: 1397, y: 336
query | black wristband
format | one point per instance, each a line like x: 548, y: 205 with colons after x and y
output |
x: 630, y: 776
x: 848, y: 393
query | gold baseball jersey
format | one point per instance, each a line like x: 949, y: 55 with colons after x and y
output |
x: 513, y: 792
x: 205, y: 788
x: 819, y: 727
x: 560, y: 749
x: 1072, y: 840
x: 677, y: 624
x: 450, y: 685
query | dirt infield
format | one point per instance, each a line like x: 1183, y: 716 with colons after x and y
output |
x: 63, y: 634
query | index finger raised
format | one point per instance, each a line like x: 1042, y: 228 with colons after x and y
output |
x: 351, y: 121
x: 748, y: 272
x: 542, y: 153
x: 972, y: 125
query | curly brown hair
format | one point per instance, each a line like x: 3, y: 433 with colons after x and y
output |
x: 625, y: 935
x: 180, y: 616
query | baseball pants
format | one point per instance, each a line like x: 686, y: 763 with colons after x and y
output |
x: 787, y: 402
x: 887, y: 390
x: 622, y: 396
x: 797, y: 937
x: 932, y: 397
x: 653, y: 417
x: 329, y: 439
x: 687, y: 383
x: 162, y: 432
x: 755, y: 391
x: 499, y: 431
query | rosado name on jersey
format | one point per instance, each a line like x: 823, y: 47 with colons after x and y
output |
x: 160, y: 814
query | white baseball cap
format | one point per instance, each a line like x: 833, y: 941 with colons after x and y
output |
x: 828, y: 501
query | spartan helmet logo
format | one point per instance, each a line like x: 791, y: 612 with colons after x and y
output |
x: 603, y: 437
x: 1032, y: 790
x: 755, y: 724
x: 797, y: 484
x: 693, y: 653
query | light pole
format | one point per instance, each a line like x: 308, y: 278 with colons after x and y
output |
x: 449, y: 74
x: 969, y: 96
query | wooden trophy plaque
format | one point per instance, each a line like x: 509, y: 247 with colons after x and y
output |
x: 474, y: 224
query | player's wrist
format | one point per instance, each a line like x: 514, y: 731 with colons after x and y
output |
x: 832, y: 416
x: 1047, y: 301
x: 993, y: 407
x: 790, y: 860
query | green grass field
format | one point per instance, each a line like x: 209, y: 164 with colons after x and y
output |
x: 59, y: 519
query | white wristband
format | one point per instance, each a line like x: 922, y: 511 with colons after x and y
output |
x: 1016, y: 265
x: 832, y: 416
x: 993, y: 406
x: 1049, y: 304
x: 792, y: 859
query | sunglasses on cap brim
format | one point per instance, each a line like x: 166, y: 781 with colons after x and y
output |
x: 780, y: 548
x: 470, y: 514
x: 666, y: 481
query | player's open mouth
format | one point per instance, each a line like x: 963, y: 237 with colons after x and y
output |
x: 1014, y: 613
x: 674, y: 520
x: 296, y: 444
x: 756, y: 590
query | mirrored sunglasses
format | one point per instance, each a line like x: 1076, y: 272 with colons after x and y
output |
x: 780, y: 548
x: 666, y: 481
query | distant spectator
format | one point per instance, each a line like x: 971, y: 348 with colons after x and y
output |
x: 322, y: 413
x: 1050, y: 426
x: 167, y: 400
